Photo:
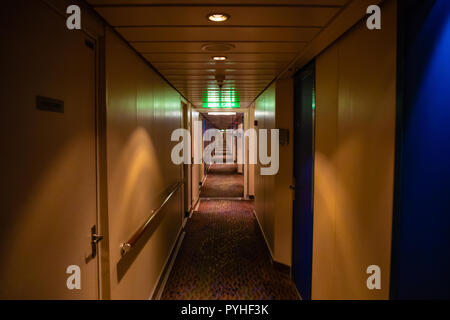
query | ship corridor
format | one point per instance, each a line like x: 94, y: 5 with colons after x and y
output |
x: 121, y: 180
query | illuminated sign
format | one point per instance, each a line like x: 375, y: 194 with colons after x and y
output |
x: 221, y: 99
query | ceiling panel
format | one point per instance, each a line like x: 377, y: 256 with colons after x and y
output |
x: 247, y: 95
x: 240, y: 95
x: 219, y: 2
x: 197, y: 47
x: 201, y: 93
x: 196, y: 91
x: 227, y: 34
x: 205, y: 57
x: 222, y: 71
x: 207, y: 65
x: 213, y: 84
x: 249, y: 91
x: 250, y: 94
x: 260, y: 39
x: 197, y: 15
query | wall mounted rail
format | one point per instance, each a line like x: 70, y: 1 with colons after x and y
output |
x: 127, y: 246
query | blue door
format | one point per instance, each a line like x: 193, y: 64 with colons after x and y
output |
x: 304, y: 103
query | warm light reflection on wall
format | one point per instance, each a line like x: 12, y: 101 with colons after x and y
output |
x: 137, y: 165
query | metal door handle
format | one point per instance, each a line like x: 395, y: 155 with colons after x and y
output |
x: 95, y: 238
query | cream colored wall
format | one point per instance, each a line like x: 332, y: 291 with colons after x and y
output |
x: 187, y: 168
x: 354, y: 161
x: 251, y: 152
x: 273, y: 197
x: 284, y: 115
x: 196, y: 168
x: 238, y: 152
x: 202, y: 166
x: 57, y: 190
x: 264, y: 185
x: 142, y: 110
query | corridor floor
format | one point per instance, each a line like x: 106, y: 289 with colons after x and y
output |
x: 223, y: 181
x: 224, y: 256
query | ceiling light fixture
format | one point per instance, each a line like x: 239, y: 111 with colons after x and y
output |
x: 218, y: 17
x: 218, y: 47
x: 219, y: 58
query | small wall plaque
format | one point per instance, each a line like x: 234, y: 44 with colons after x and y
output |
x: 49, y: 104
x: 284, y: 136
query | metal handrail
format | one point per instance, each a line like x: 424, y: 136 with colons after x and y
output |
x: 127, y: 246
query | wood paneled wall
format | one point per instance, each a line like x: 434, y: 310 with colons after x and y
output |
x: 354, y: 161
x: 142, y: 111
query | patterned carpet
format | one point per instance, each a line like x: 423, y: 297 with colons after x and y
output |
x: 223, y: 256
x: 223, y: 181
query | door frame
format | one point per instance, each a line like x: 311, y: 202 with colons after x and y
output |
x: 99, y: 135
x: 246, y: 125
x: 187, y: 168
x: 104, y: 290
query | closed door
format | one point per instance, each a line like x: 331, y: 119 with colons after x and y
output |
x: 304, y: 103
x: 48, y: 163
x: 196, y: 168
x: 187, y: 167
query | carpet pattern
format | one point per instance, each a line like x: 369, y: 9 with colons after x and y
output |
x: 224, y: 256
x: 223, y: 181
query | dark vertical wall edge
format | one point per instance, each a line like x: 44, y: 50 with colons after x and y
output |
x: 398, y: 141
x: 303, y: 209
x: 102, y: 172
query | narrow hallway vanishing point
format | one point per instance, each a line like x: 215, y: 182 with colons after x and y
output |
x: 222, y: 181
x: 223, y: 254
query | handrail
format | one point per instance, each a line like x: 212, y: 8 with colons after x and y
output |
x: 127, y: 246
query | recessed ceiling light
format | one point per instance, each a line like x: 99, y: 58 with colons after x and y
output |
x: 218, y: 17
x: 217, y: 47
x: 219, y: 58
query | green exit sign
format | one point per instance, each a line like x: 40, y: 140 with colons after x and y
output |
x: 221, y: 99
x: 221, y: 104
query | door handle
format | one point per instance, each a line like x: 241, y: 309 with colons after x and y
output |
x: 95, y: 239
x: 292, y: 187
